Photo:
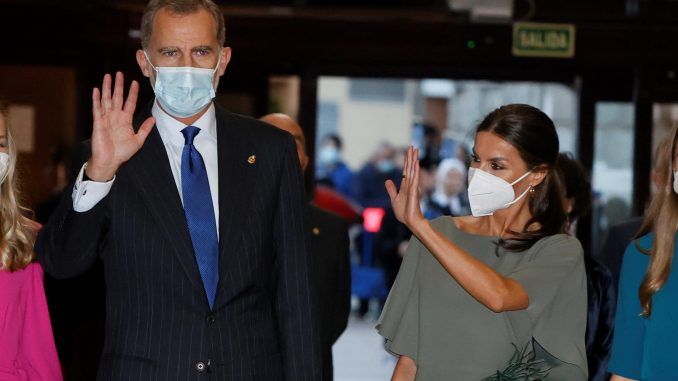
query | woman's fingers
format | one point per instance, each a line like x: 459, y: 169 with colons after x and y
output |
x: 406, y: 163
x: 392, y: 190
x: 413, y: 189
x: 413, y: 160
x: 415, y: 179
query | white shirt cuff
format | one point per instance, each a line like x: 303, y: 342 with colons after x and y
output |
x: 86, y: 194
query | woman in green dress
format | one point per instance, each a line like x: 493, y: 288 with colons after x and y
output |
x: 476, y: 293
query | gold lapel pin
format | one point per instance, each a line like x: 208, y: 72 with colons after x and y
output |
x: 252, y: 159
x: 316, y: 231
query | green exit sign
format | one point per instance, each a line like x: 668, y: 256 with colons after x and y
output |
x: 543, y: 40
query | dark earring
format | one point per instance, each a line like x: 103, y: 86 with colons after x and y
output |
x: 531, y: 190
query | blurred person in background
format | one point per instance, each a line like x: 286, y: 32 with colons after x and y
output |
x: 428, y: 185
x: 368, y: 183
x: 646, y: 324
x: 619, y: 236
x: 59, y: 171
x: 450, y: 197
x: 78, y: 327
x: 600, y: 290
x: 330, y: 167
x: 27, y: 350
x: 331, y: 271
x: 430, y: 146
x: 378, y: 249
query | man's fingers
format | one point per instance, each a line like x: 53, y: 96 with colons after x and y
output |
x: 118, y: 91
x: 144, y: 130
x: 131, y: 102
x: 96, y: 104
x: 106, y: 93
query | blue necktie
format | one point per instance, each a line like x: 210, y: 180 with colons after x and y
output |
x: 200, y: 213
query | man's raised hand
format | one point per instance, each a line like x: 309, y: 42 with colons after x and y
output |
x: 113, y: 138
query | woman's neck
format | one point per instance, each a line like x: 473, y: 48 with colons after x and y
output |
x: 504, y: 221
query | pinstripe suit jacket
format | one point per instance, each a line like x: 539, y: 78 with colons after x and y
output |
x: 159, y: 325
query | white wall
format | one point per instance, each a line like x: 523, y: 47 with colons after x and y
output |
x: 364, y: 124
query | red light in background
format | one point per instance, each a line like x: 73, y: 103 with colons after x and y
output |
x: 372, y: 218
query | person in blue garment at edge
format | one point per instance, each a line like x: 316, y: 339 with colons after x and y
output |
x: 645, y: 344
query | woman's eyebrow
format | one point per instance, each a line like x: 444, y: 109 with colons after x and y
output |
x: 498, y: 158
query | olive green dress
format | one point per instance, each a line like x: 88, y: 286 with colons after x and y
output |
x: 430, y: 318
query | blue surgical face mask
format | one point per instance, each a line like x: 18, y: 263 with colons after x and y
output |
x: 385, y: 165
x: 183, y: 91
x: 328, y: 155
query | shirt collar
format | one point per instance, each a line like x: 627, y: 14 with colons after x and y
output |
x: 170, y: 128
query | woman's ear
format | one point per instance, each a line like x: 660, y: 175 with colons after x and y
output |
x: 538, y: 175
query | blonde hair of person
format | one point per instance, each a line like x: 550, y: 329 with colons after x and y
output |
x: 661, y: 219
x: 17, y: 233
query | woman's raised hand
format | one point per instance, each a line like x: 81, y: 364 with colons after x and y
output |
x: 113, y: 138
x: 405, y: 202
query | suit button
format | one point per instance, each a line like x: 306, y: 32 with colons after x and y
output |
x: 211, y: 320
x: 200, y: 366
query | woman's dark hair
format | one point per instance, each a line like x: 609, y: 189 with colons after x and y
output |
x: 534, y: 135
x: 576, y: 185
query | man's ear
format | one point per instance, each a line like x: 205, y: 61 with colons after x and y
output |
x: 143, y: 63
x: 225, y: 59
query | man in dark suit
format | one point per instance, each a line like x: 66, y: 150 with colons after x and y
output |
x: 331, y: 274
x: 199, y: 217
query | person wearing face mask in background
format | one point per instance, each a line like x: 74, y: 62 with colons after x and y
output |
x: 378, y: 249
x: 473, y: 291
x: 330, y: 257
x: 199, y: 216
x: 368, y: 184
x: 330, y: 168
x: 450, y: 197
x: 27, y: 350
x: 646, y: 323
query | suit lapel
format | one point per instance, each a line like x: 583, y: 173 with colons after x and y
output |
x: 236, y: 182
x: 152, y: 175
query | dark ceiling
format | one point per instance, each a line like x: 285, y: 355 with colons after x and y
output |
x: 650, y: 11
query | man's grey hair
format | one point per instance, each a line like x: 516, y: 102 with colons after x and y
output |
x: 180, y: 7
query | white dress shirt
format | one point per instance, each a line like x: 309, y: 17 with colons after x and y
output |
x: 86, y: 194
